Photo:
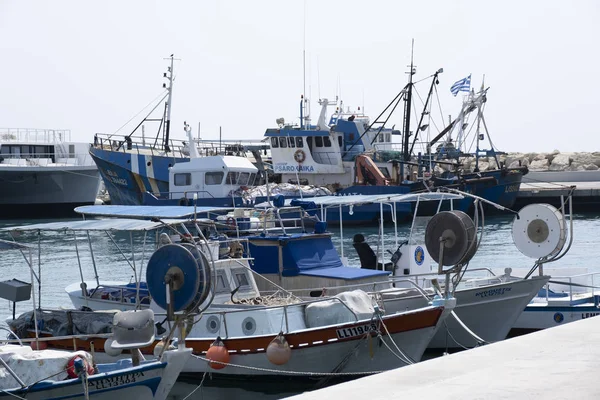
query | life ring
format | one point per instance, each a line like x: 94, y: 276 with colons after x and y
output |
x: 299, y: 156
x: 231, y: 222
x: 184, y: 201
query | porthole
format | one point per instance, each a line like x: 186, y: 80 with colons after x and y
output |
x: 213, y: 324
x: 249, y: 326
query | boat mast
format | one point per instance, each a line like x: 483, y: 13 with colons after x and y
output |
x: 407, y: 106
x: 168, y: 75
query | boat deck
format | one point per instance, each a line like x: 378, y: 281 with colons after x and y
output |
x: 556, y: 363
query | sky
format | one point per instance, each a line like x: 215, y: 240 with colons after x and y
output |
x: 92, y: 66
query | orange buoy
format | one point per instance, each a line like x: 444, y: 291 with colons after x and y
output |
x: 278, y: 351
x: 217, y: 352
x: 38, y: 345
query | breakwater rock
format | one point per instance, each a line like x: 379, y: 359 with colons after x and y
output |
x: 554, y: 161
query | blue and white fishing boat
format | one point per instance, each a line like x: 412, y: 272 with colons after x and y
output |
x: 135, y: 164
x: 55, y: 374
x: 357, y: 156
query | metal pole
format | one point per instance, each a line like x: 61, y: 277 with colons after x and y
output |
x: 83, y: 285
x: 341, y: 233
x: 381, y: 226
x: 93, y: 259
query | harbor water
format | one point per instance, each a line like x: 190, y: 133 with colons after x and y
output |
x: 58, y: 266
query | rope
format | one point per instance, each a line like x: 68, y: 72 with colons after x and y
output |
x: 284, y: 372
x: 408, y: 360
x: 11, y: 394
x: 197, y: 387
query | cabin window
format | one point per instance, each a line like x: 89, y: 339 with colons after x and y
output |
x: 291, y: 142
x: 241, y: 279
x: 243, y: 178
x: 309, y: 142
x: 340, y: 141
x: 385, y: 172
x: 381, y: 137
x: 282, y: 142
x: 318, y: 141
x: 213, y: 178
x: 222, y: 286
x: 5, y: 150
x: 326, y: 141
x: 299, y: 142
x: 71, y: 151
x: 251, y: 180
x: 388, y: 137
x: 182, y: 179
x: 274, y: 142
x: 232, y: 178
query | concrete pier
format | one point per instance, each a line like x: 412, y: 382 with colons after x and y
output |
x: 557, y: 363
x: 586, y: 194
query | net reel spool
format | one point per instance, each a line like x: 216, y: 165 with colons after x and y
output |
x: 539, y: 231
x: 178, y: 277
x: 458, y: 232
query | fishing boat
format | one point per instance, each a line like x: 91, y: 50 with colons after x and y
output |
x: 134, y: 165
x: 487, y: 308
x: 34, y: 372
x: 355, y: 155
x: 44, y: 174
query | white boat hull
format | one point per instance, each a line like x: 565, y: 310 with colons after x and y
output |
x: 489, y: 311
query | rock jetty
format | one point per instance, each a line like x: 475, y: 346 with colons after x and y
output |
x: 554, y: 161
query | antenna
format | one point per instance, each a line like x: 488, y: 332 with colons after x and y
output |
x: 318, y: 79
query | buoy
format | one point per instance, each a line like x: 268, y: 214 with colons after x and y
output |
x: 278, y: 351
x: 219, y: 353
x: 38, y: 345
x: 78, y: 364
x: 109, y: 350
x: 159, y: 347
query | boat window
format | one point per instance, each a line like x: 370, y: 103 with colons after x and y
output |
x: 309, y: 142
x: 251, y: 180
x: 340, y: 141
x: 241, y: 279
x: 5, y: 150
x: 385, y: 172
x: 213, y: 178
x: 388, y: 137
x: 299, y: 142
x: 232, y: 178
x: 25, y: 150
x: 291, y: 142
x: 381, y: 137
x: 243, y: 178
x: 282, y: 142
x: 222, y: 286
x: 183, y: 179
x: 327, y: 141
x: 318, y: 141
x: 274, y: 142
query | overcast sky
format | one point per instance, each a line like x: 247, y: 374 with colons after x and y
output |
x: 91, y: 66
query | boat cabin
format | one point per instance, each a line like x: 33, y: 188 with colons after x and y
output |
x: 322, y: 154
x: 304, y: 260
x: 210, y: 177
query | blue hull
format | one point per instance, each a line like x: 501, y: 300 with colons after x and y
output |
x: 506, y: 189
x: 128, y: 176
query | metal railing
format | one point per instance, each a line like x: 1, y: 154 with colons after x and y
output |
x: 30, y: 135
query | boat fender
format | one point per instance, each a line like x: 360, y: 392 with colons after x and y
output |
x: 77, y: 365
x: 109, y: 350
x: 278, y: 351
x: 184, y: 201
x: 219, y: 353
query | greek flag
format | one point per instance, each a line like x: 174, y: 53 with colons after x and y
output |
x: 464, y: 85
